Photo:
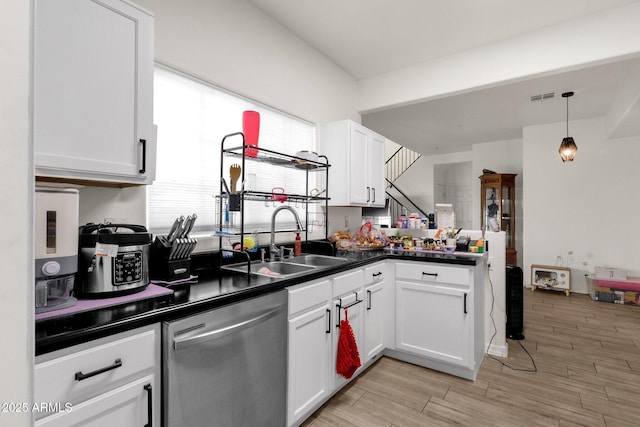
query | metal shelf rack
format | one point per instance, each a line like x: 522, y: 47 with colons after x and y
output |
x: 276, y: 159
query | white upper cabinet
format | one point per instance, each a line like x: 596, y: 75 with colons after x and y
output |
x: 356, y: 155
x: 93, y: 91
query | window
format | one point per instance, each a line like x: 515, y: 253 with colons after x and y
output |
x: 192, y: 118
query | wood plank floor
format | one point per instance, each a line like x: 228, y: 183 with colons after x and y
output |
x: 587, y: 356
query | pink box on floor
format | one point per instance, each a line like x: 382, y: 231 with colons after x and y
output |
x: 631, y: 284
x: 615, y: 291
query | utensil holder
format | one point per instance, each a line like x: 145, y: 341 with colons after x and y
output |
x: 171, y: 261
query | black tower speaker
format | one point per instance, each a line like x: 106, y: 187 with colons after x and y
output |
x: 515, y: 294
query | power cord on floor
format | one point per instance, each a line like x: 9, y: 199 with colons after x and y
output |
x: 495, y: 331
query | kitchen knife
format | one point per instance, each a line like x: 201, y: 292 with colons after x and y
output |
x: 180, y: 250
x: 173, y: 229
x: 175, y: 235
x: 185, y: 225
x: 172, y: 254
x: 189, y: 225
x: 192, y: 245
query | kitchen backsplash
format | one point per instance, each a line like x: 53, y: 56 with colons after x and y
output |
x: 126, y: 205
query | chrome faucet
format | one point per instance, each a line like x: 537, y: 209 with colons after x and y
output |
x: 276, y: 252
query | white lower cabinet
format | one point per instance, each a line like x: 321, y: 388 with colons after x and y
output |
x: 431, y: 321
x: 109, y: 381
x: 348, y: 303
x: 426, y: 313
x: 124, y: 406
x: 439, y: 317
x: 315, y: 311
x: 310, y: 332
x: 376, y: 310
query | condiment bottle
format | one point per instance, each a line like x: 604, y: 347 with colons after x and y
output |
x: 297, y: 245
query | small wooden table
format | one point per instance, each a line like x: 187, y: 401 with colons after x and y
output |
x: 551, y: 277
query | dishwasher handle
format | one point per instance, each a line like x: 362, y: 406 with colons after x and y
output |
x: 214, y: 334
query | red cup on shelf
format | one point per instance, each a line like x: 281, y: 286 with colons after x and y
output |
x: 251, y: 130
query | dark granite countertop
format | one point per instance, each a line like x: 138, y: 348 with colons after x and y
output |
x: 210, y: 291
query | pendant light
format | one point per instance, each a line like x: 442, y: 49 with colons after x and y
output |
x: 568, y: 147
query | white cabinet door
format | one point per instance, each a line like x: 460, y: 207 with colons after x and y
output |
x: 374, y: 316
x: 356, y: 155
x: 375, y: 171
x: 434, y: 321
x: 358, y: 177
x: 128, y: 406
x: 355, y: 317
x: 93, y: 91
x: 309, y: 361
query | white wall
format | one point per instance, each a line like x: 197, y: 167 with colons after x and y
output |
x: 418, y: 181
x: 236, y: 46
x: 127, y: 205
x: 598, y: 38
x: 589, y: 206
x: 16, y: 214
x: 453, y: 185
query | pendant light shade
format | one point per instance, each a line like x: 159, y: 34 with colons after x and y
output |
x: 568, y: 147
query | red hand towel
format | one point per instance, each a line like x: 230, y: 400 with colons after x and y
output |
x: 348, y: 360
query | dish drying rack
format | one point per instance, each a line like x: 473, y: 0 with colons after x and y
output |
x: 230, y: 208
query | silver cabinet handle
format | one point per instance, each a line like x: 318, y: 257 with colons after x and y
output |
x: 368, y: 194
x: 374, y: 194
x: 224, y: 331
x: 465, y: 303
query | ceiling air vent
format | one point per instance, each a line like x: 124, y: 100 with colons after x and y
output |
x: 542, y: 97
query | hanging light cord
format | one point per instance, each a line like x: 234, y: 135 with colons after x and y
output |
x: 567, y: 116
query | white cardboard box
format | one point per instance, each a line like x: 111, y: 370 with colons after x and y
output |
x: 608, y: 273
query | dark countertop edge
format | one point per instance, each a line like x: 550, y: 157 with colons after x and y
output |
x: 68, y: 339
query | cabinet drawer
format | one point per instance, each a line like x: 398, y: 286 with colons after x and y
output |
x: 306, y: 296
x: 374, y: 273
x: 433, y: 273
x: 69, y: 378
x: 350, y: 282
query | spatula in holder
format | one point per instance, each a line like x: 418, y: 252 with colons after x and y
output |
x: 171, y: 261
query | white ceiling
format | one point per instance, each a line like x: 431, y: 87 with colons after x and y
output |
x: 370, y: 37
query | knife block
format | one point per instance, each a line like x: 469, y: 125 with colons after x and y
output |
x: 162, y: 267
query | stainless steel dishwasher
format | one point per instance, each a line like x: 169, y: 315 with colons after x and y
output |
x: 228, y: 366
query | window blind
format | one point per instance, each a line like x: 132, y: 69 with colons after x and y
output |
x: 192, y: 118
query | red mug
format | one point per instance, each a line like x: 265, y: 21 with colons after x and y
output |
x: 277, y: 194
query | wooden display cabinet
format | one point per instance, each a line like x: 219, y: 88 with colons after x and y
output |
x: 498, y: 208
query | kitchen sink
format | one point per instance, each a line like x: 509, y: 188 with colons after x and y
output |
x: 272, y: 268
x: 289, y: 267
x: 317, y: 260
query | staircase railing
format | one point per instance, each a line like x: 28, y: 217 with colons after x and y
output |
x: 395, y: 166
x: 399, y: 162
x: 396, y: 211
